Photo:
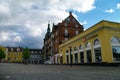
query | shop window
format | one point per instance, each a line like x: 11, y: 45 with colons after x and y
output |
x: 76, y: 57
x: 115, y: 48
x: 97, y: 51
x: 89, y: 56
x: 88, y: 52
x: 67, y: 56
x: 82, y: 57
x: 81, y: 54
x: 67, y: 59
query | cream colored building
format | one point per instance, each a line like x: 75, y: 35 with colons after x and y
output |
x: 99, y: 43
x: 14, y: 54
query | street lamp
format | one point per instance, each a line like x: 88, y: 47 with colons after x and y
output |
x: 70, y: 56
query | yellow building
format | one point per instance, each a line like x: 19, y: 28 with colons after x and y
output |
x: 14, y: 54
x: 99, y: 43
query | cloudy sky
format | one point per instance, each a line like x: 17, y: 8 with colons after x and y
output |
x: 24, y: 22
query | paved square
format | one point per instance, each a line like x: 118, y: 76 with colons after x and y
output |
x: 11, y: 71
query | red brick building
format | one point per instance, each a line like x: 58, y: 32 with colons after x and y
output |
x: 61, y: 32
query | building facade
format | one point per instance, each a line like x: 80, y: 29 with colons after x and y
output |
x: 99, y: 43
x: 60, y: 33
x: 47, y: 45
x: 14, y: 54
x: 35, y: 56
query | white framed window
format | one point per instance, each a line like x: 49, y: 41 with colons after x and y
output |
x: 76, y: 25
x: 18, y: 49
x: 66, y: 32
x: 77, y: 32
x: 11, y: 49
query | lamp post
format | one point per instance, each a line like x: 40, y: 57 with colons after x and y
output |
x: 70, y: 56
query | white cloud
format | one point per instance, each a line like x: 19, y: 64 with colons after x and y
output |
x: 4, y: 8
x: 84, y: 22
x: 110, y: 10
x: 17, y: 39
x: 118, y: 6
x: 28, y: 19
x: 4, y: 36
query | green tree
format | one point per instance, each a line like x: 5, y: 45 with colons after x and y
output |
x: 2, y: 54
x: 25, y: 55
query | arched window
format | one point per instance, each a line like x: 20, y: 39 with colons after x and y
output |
x: 96, y: 42
x: 81, y: 53
x: 80, y: 47
x: 88, y: 45
x: 88, y: 52
x: 115, y: 42
x: 97, y: 50
x: 75, y: 49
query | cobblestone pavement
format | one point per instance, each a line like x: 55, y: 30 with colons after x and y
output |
x: 10, y: 71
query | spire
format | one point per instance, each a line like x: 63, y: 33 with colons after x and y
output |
x: 48, y: 29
